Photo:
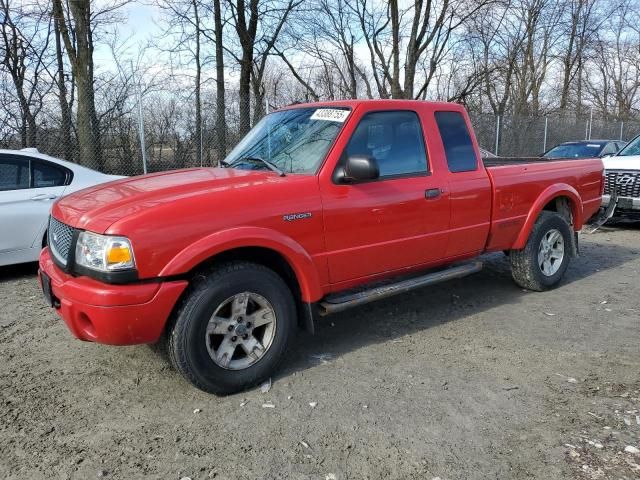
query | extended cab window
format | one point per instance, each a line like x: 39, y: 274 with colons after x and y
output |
x: 456, y: 139
x: 14, y: 174
x: 393, y: 139
x: 47, y: 175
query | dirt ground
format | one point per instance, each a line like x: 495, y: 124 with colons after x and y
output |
x: 474, y: 379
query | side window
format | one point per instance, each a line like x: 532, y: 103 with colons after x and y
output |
x: 14, y: 174
x: 47, y: 175
x: 393, y: 139
x: 458, y: 146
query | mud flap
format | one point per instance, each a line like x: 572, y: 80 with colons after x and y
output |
x: 308, y: 314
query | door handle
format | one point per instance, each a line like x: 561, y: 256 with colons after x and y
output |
x: 44, y: 196
x: 432, y: 193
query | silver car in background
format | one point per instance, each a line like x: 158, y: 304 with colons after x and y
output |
x: 29, y: 184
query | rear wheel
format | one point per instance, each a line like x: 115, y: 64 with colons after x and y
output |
x: 233, y: 328
x: 541, y: 264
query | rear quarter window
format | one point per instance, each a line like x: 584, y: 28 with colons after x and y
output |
x: 47, y: 175
x: 458, y: 147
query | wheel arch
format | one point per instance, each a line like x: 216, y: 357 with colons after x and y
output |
x: 562, y: 199
x: 262, y: 246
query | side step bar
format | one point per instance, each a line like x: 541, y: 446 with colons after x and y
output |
x: 344, y: 302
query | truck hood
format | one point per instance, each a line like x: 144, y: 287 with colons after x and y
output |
x: 631, y: 162
x: 98, y: 207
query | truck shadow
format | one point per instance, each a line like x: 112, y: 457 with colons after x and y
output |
x: 391, y: 319
x: 16, y: 272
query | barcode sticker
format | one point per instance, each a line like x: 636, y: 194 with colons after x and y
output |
x: 330, y: 114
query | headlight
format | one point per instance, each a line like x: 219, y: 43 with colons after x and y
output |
x: 104, y: 253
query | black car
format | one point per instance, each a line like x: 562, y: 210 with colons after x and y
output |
x: 585, y: 149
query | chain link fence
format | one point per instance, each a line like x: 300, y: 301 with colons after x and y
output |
x: 512, y: 136
x: 151, y: 133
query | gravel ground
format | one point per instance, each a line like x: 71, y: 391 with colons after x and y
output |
x: 467, y: 380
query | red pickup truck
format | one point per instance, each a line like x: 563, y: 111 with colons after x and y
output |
x: 321, y: 207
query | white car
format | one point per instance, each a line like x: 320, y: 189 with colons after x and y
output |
x: 623, y: 174
x: 29, y: 184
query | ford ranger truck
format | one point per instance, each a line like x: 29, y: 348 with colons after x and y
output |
x: 320, y: 208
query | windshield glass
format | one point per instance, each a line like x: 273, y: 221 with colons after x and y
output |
x: 294, y: 141
x: 632, y: 148
x: 575, y: 150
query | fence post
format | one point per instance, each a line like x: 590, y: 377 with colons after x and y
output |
x: 590, y: 123
x: 497, y: 134
x: 621, y: 130
x: 201, y: 142
x: 546, y: 126
x: 266, y: 111
x: 143, y: 147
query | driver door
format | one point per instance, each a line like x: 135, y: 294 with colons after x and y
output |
x: 397, y: 221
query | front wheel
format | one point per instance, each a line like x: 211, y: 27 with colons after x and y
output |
x: 233, y: 328
x: 541, y: 264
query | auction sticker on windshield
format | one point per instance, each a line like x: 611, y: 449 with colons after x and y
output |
x: 330, y: 114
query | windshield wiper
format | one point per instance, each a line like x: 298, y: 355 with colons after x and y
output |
x: 270, y: 165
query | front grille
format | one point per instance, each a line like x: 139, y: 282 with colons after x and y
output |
x: 60, y: 237
x: 627, y: 184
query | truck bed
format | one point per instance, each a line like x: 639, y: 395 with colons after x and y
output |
x: 505, y: 161
x: 518, y: 183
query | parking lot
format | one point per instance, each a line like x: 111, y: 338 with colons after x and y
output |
x: 471, y: 379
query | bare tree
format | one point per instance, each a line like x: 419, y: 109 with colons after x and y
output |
x: 581, y: 21
x: 24, y: 54
x: 396, y: 56
x: 221, y: 105
x: 327, y: 31
x: 66, y: 124
x: 185, y: 32
x: 614, y: 82
x: 258, y: 24
x: 81, y: 59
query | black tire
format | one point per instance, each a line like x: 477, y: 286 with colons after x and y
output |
x: 187, y: 340
x: 525, y: 269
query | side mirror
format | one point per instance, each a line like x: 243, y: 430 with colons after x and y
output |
x: 608, y: 155
x: 358, y: 168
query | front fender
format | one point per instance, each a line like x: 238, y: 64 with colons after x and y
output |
x: 547, y: 195
x: 222, y: 241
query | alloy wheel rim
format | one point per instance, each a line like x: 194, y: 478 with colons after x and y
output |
x: 240, y: 331
x: 551, y: 252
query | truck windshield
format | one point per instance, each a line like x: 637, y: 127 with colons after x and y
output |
x: 293, y: 141
x: 632, y: 148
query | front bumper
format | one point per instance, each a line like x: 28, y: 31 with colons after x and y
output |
x: 623, y: 203
x: 112, y: 314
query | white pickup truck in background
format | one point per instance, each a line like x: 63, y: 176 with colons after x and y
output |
x: 623, y: 175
